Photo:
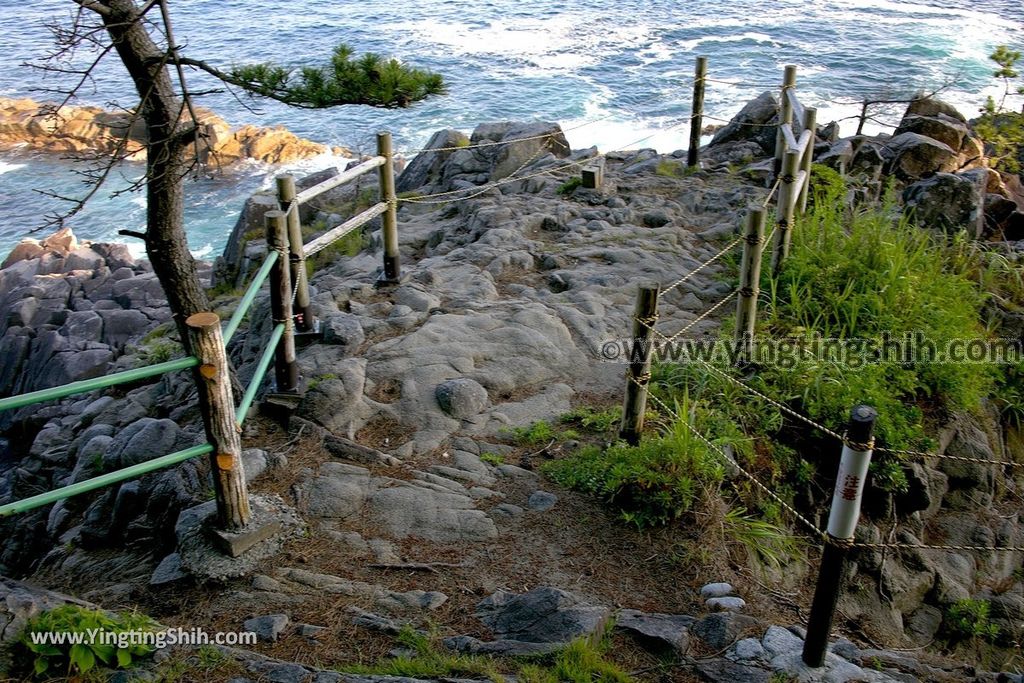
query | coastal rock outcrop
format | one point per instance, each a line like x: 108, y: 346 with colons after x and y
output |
x: 26, y: 124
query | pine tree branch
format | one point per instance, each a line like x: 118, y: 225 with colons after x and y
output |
x: 369, y: 80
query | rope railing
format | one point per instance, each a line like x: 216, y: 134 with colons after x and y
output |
x: 685, y: 278
x: 732, y: 463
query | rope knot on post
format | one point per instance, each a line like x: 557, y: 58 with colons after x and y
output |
x: 859, y: 446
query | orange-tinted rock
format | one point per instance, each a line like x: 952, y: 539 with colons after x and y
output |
x: 90, y: 129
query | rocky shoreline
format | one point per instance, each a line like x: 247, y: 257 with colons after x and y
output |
x: 499, y: 324
x: 26, y: 125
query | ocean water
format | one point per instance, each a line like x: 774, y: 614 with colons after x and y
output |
x: 612, y: 72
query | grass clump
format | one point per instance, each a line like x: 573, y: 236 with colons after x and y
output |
x: 538, y: 434
x: 652, y: 484
x: 969, y: 619
x: 569, y: 186
x: 592, y: 420
x: 581, y: 661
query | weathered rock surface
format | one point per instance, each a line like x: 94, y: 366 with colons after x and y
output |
x: 25, y: 123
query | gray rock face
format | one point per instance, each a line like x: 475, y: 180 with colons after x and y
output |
x: 947, y: 202
x: 267, y: 628
x: 658, y: 632
x: 407, y: 509
x: 426, y: 168
x: 344, y: 330
x: 721, y: 629
x: 461, y: 398
x: 544, y: 615
x: 911, y: 156
x: 542, y: 501
x: 339, y: 491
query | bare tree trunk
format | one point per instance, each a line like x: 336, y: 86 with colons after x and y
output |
x: 166, y: 161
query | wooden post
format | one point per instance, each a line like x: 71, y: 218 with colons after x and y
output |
x: 392, y: 267
x: 785, y: 115
x: 592, y: 175
x: 750, y: 278
x: 811, y: 124
x: 216, y: 403
x: 286, y: 370
x: 842, y: 523
x: 697, y: 111
x: 786, y: 209
x: 297, y: 255
x: 639, y: 373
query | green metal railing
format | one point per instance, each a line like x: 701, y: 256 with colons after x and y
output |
x: 104, y: 480
x: 87, y: 385
x: 250, y: 295
x: 257, y: 378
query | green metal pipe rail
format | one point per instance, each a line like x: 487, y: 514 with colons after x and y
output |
x: 249, y: 296
x: 257, y: 378
x: 87, y: 385
x: 104, y: 480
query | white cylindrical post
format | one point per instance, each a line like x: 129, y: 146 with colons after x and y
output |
x: 842, y: 522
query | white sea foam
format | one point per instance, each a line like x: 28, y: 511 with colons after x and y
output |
x: 6, y: 167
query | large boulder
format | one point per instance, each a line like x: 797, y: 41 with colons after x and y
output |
x: 941, y: 127
x: 929, y: 106
x: 757, y: 122
x: 521, y: 144
x: 947, y: 202
x: 426, y: 168
x: 544, y: 615
x: 912, y: 156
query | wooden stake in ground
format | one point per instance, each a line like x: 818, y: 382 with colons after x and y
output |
x: 750, y: 279
x: 297, y: 256
x: 697, y: 115
x: 286, y: 370
x: 392, y: 264
x: 217, y: 406
x: 639, y: 373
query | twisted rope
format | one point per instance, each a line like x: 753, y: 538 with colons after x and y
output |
x: 731, y: 462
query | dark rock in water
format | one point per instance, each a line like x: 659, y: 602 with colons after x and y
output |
x: 427, y: 167
x: 947, y: 202
x: 544, y: 615
x: 757, y: 122
x: 232, y: 267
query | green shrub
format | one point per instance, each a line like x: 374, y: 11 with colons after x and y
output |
x: 966, y: 619
x: 492, y: 458
x: 569, y: 186
x: 651, y: 484
x: 857, y: 278
x: 599, y: 421
x: 57, y: 660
